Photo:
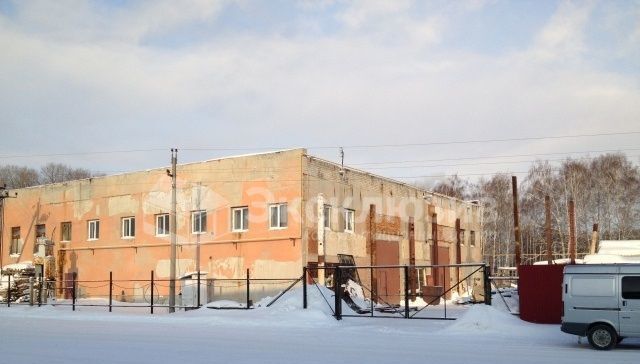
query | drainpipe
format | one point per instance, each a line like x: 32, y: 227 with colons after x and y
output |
x: 321, y: 238
x: 4, y: 194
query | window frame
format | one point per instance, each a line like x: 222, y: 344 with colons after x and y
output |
x: 95, y: 229
x: 244, y: 218
x: 349, y: 219
x: 40, y: 231
x: 472, y: 238
x: 202, y: 227
x: 62, y: 231
x: 15, y: 242
x: 279, y: 223
x: 327, y: 213
x: 130, y: 232
x: 166, y: 224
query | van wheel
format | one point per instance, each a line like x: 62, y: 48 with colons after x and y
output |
x: 602, y: 337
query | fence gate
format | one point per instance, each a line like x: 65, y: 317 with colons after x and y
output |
x: 361, y: 296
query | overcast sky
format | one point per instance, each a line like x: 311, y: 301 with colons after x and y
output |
x: 92, y: 76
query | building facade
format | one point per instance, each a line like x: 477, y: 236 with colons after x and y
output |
x: 269, y: 214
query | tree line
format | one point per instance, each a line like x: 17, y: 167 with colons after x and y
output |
x: 605, y: 191
x: 14, y: 176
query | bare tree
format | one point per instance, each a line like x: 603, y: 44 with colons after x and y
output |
x: 605, y: 190
x: 495, y: 195
x: 453, y: 186
x: 56, y: 172
x: 18, y: 177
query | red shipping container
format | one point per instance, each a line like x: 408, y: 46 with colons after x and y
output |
x: 540, y: 291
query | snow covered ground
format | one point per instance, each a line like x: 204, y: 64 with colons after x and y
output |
x: 284, y: 333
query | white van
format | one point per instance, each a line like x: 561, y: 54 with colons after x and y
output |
x: 602, y: 302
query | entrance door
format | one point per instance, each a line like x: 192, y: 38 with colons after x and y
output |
x: 630, y: 305
x: 444, y: 273
x: 68, y: 285
x: 388, y: 253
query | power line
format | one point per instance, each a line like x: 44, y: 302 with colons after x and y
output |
x: 481, y: 163
x: 368, y: 164
x: 272, y: 177
x: 496, y: 156
x: 471, y: 141
x: 363, y: 146
x: 81, y: 153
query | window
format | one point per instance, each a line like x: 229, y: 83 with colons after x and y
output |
x: 462, y: 237
x: 278, y: 216
x: 93, y: 229
x: 472, y: 238
x: 15, y: 241
x: 198, y: 222
x: 631, y: 288
x: 327, y: 216
x: 65, y: 231
x: 41, y: 231
x: 162, y: 225
x: 128, y: 227
x: 240, y: 217
x: 349, y: 220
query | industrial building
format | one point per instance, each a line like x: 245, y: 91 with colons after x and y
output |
x: 269, y: 213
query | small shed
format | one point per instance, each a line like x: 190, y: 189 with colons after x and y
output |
x: 189, y: 291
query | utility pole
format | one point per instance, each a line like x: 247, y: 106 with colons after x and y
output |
x: 547, y: 229
x: 4, y: 194
x: 572, y: 232
x: 516, y: 220
x: 198, y: 245
x: 594, y: 239
x: 172, y: 227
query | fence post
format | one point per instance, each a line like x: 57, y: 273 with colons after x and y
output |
x: 248, y: 291
x: 372, y: 288
x: 152, y: 292
x: 338, y: 295
x: 110, y: 290
x: 73, y: 292
x: 304, y: 288
x: 198, y: 288
x: 444, y: 298
x: 8, y: 291
x: 406, y: 291
x: 31, y: 293
x: 41, y: 283
x: 487, y: 286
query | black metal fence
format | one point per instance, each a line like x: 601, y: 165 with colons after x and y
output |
x: 400, y: 291
x: 393, y: 291
x: 151, y: 294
